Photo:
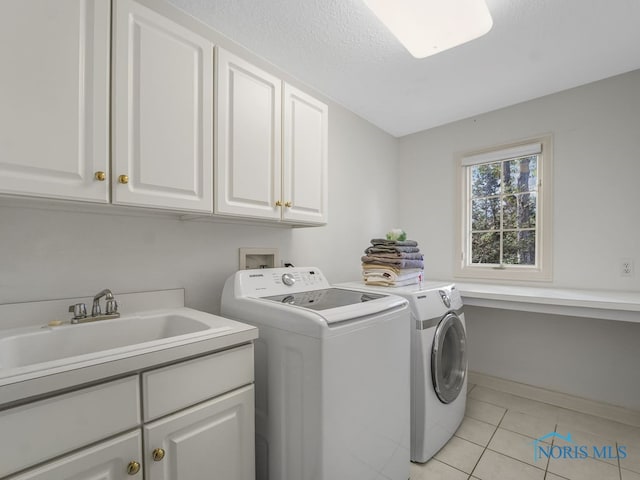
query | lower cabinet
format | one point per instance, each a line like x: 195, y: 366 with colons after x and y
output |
x: 111, y: 460
x: 197, y: 423
x: 212, y: 440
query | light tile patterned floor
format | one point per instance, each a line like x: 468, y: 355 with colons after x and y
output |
x: 496, y: 442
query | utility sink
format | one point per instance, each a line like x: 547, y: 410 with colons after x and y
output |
x: 75, y: 342
x: 40, y: 355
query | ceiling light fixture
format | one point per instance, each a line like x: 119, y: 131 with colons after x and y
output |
x: 426, y: 27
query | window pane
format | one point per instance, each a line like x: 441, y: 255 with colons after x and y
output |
x: 527, y: 210
x: 485, y: 214
x: 485, y: 247
x: 519, y: 211
x: 520, y: 175
x: 519, y: 247
x: 485, y: 180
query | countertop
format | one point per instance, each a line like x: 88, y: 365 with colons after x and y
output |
x: 608, y: 305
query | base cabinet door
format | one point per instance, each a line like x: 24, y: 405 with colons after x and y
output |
x: 54, y: 98
x: 214, y: 439
x: 162, y: 112
x: 117, y: 459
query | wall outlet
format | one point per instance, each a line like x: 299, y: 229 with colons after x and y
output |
x: 626, y: 267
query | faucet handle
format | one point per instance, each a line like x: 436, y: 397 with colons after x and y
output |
x: 111, y: 306
x: 79, y: 310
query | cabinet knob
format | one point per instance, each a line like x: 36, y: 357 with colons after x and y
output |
x: 158, y: 454
x: 123, y: 179
x: 100, y: 176
x: 278, y: 203
x: 288, y: 204
x: 133, y: 467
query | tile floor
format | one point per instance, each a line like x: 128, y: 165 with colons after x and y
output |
x: 495, y: 442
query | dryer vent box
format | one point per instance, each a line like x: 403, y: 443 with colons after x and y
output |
x: 259, y: 258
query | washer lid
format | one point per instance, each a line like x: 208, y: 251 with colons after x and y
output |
x: 306, y: 305
x: 325, y: 299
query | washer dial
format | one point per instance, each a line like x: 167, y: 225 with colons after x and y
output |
x: 288, y: 279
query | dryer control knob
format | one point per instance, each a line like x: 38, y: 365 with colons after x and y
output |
x: 288, y: 279
x: 445, y: 298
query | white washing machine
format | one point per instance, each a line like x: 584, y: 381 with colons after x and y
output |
x: 438, y: 362
x: 332, y: 379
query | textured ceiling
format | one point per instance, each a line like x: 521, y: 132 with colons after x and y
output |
x: 536, y: 47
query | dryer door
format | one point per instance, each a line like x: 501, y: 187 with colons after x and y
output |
x: 449, y: 358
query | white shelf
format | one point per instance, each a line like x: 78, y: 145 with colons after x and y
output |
x: 608, y: 305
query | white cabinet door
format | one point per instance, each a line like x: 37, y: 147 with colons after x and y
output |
x: 163, y: 112
x: 54, y: 98
x: 305, y: 146
x: 57, y: 425
x: 248, y: 139
x: 108, y: 460
x: 214, y: 439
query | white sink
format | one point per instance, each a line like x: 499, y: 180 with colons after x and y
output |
x: 75, y: 342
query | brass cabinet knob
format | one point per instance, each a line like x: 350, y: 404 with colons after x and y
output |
x: 278, y: 203
x: 133, y: 467
x: 123, y: 179
x: 100, y: 176
x: 288, y: 204
x: 158, y: 454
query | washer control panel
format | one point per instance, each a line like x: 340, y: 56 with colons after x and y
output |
x: 311, y: 278
x: 274, y: 281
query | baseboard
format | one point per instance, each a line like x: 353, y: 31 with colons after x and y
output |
x: 559, y: 399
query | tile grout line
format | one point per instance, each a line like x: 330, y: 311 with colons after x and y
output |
x: 486, y: 447
x: 514, y: 458
x: 619, y: 463
x: 546, y: 468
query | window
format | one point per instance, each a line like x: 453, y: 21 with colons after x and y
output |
x: 505, y: 212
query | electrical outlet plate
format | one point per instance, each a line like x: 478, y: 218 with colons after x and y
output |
x: 626, y: 267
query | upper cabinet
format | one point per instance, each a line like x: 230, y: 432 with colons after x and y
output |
x: 271, y: 146
x: 54, y: 98
x: 111, y: 101
x: 305, y: 134
x: 248, y: 139
x: 162, y: 112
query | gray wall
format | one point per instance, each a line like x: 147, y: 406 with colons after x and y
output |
x: 590, y: 358
x: 596, y: 130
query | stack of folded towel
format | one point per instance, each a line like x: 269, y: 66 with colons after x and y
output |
x: 392, y: 263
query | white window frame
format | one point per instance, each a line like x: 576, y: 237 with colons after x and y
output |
x: 542, y: 270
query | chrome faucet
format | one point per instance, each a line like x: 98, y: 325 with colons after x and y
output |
x: 79, y: 310
x: 111, y: 306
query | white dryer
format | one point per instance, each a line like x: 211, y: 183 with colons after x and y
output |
x: 331, y: 376
x: 438, y: 362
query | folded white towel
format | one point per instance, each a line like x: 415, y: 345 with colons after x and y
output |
x: 385, y: 283
x: 391, y: 274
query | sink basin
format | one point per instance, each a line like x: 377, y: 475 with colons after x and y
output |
x: 47, y: 344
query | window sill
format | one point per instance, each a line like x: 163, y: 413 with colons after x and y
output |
x: 603, y: 304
